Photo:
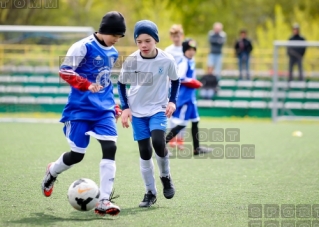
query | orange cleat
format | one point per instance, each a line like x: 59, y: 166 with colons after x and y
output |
x: 173, y: 142
x: 180, y: 143
x: 48, y: 182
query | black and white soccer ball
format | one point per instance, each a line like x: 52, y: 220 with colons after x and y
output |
x: 83, y: 194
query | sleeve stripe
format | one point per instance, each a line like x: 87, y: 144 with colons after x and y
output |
x: 75, y: 80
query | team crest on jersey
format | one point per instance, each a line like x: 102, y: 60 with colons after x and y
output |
x: 98, y: 61
x: 103, y: 78
x: 161, y: 70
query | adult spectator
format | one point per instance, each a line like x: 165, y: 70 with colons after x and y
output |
x: 296, y: 53
x: 243, y: 49
x: 210, y: 86
x: 217, y: 38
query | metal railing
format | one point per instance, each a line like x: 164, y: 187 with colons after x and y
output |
x: 50, y: 55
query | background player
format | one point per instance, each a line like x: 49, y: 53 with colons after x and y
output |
x: 147, y: 106
x: 91, y: 108
x: 177, y: 35
x: 186, y: 103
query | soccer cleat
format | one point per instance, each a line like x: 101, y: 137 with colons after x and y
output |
x: 149, y: 200
x: 180, y: 143
x: 48, y: 182
x: 173, y: 142
x: 202, y: 150
x: 168, y: 187
x: 105, y: 206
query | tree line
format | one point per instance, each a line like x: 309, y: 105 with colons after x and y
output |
x: 265, y: 20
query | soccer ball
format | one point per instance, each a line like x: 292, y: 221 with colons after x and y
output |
x: 83, y: 194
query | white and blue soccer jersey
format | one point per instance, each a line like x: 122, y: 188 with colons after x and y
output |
x: 186, y: 107
x: 93, y: 62
x: 147, y: 97
x: 176, y: 52
x: 149, y: 81
x: 186, y: 71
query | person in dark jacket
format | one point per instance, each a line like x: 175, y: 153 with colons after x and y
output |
x: 243, y: 48
x: 210, y: 86
x: 296, y: 53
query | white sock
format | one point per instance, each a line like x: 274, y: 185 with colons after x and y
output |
x: 107, y: 176
x: 147, y: 171
x: 58, y: 167
x: 163, y: 165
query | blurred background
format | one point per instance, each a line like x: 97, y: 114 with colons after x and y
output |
x: 29, y: 60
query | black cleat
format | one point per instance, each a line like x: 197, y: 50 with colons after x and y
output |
x: 168, y: 187
x: 149, y: 200
x: 202, y: 150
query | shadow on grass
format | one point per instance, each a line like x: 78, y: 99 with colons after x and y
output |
x: 42, y: 219
x: 137, y: 210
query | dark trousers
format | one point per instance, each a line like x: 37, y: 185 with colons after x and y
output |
x: 243, y: 59
x: 292, y: 62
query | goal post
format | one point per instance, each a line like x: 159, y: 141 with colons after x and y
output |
x: 275, y: 104
x: 46, y: 29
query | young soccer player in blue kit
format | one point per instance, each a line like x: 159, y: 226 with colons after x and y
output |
x: 186, y: 108
x: 147, y: 106
x: 91, y: 109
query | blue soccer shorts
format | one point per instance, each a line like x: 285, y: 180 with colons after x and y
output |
x: 78, y: 132
x: 185, y: 113
x: 143, y: 126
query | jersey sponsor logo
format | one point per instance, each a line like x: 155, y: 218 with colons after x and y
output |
x: 161, y: 70
x: 163, y: 125
x: 163, y: 106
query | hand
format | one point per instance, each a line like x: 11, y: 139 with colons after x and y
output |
x: 126, y: 115
x: 171, y: 107
x: 95, y: 88
x: 118, y: 112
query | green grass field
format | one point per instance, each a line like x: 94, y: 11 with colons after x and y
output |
x: 209, y: 192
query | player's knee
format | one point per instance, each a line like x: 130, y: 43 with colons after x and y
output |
x: 108, y: 149
x: 72, y: 157
x: 145, y: 149
x: 158, y: 141
x: 146, y: 154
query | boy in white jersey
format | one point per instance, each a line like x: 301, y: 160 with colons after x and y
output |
x: 147, y: 106
x: 91, y: 109
x: 177, y: 35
